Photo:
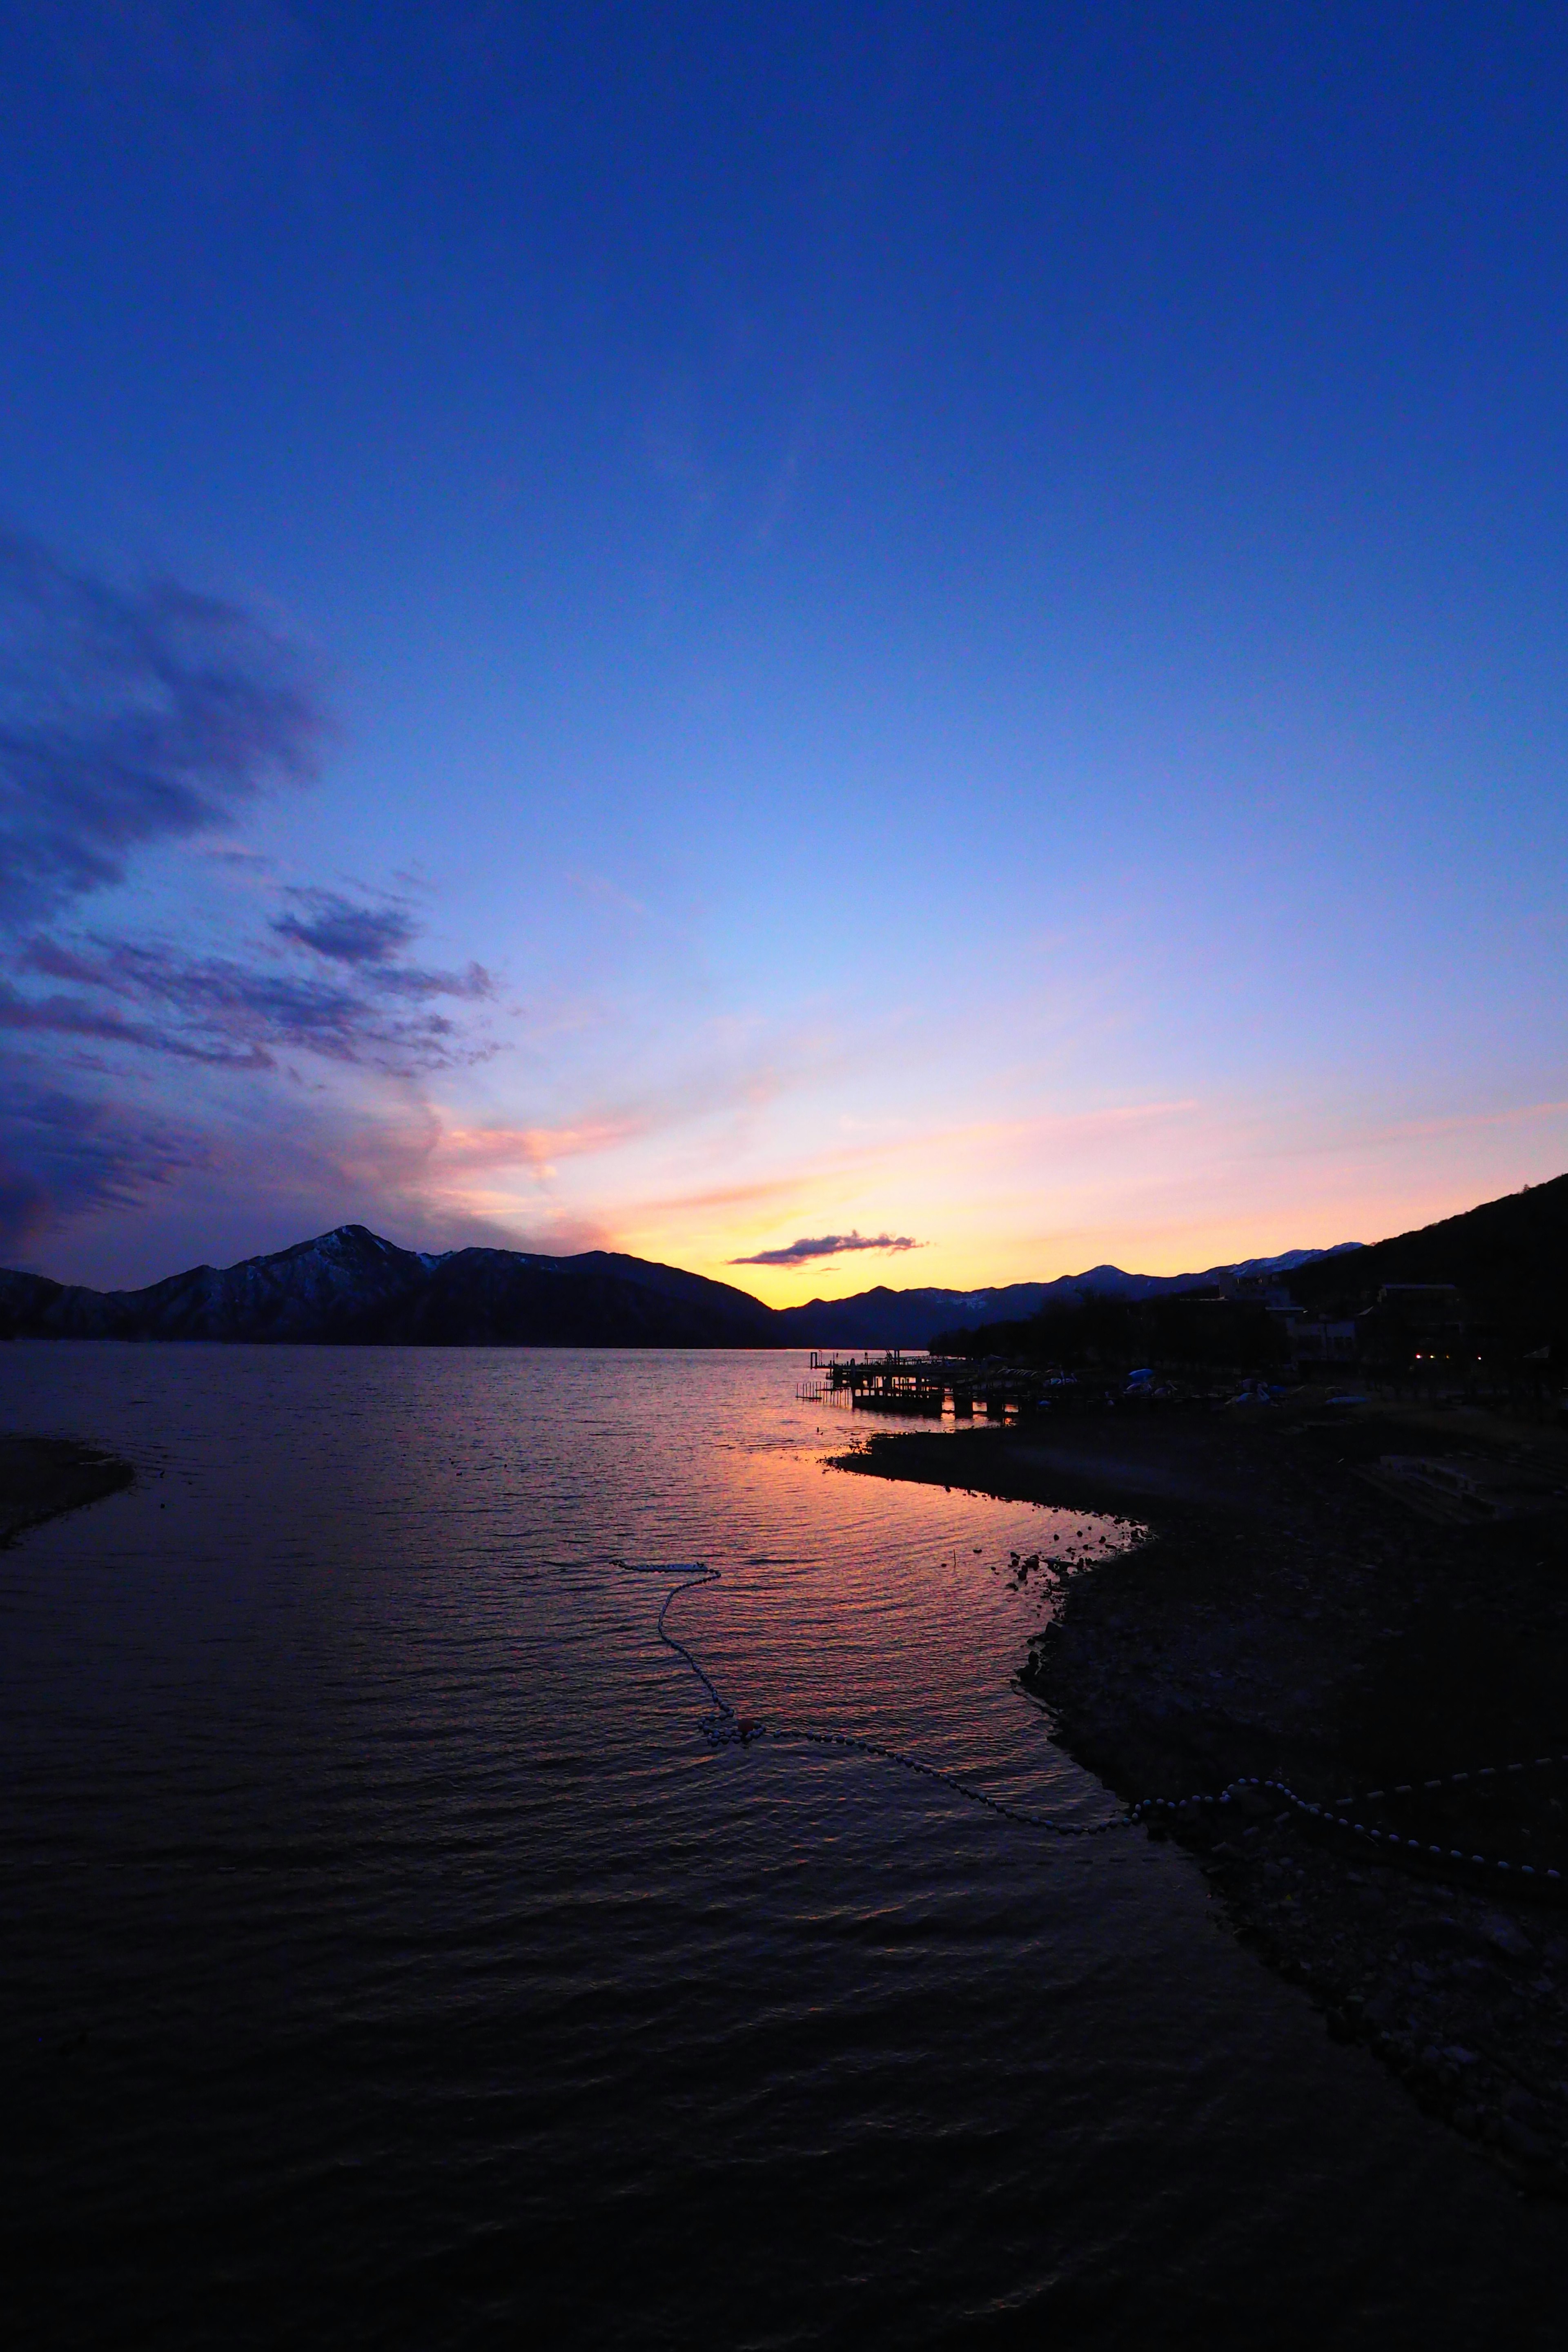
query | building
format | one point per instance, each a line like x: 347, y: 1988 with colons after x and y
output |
x: 1321, y: 1338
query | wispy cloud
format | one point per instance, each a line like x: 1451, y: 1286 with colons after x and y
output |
x: 131, y: 717
x: 265, y: 1168
x: 372, y: 1012
x: 133, y: 720
x: 1468, y: 1122
x: 538, y: 1147
x: 806, y: 1252
x: 61, y: 1155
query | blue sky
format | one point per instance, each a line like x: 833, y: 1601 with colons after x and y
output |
x: 683, y: 627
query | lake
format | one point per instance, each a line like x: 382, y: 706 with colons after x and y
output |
x: 391, y: 1958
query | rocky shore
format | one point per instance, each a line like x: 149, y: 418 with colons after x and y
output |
x: 1298, y: 1612
x: 42, y: 1476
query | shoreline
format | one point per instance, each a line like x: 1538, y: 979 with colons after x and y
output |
x: 43, y: 1478
x: 1294, y: 1613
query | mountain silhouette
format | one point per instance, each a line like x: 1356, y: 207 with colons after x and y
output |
x: 350, y: 1287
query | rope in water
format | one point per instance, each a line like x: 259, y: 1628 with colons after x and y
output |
x: 693, y: 1572
x: 725, y: 1727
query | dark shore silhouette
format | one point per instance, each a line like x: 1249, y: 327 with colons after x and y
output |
x: 42, y: 1476
x: 1299, y: 1615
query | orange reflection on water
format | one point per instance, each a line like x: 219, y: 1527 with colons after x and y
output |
x: 894, y: 1611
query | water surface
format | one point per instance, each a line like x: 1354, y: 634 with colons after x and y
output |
x: 391, y: 1960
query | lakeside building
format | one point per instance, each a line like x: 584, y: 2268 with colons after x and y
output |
x: 1412, y: 1322
x: 1309, y: 1338
x: 1321, y: 1338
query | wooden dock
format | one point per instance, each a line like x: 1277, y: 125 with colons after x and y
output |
x: 926, y: 1386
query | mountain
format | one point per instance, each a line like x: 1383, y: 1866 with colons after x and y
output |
x: 318, y: 1289
x: 1509, y: 1257
x: 491, y: 1297
x: 907, y: 1318
x: 351, y: 1287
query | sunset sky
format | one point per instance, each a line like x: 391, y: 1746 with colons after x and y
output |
x: 692, y: 628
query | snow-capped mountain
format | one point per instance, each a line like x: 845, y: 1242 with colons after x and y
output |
x: 350, y: 1285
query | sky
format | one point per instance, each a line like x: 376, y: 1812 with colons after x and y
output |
x: 832, y: 644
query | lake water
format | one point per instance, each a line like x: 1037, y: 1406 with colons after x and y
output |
x: 390, y: 1960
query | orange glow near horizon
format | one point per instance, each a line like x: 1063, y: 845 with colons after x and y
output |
x: 1162, y: 1189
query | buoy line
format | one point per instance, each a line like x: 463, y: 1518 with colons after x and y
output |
x: 726, y: 1727
x: 1339, y: 1816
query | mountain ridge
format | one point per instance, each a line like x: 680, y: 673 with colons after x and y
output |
x: 351, y: 1287
x: 890, y: 1319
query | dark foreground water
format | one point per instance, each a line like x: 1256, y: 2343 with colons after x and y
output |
x: 389, y: 1960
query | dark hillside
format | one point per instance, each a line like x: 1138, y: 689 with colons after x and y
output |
x: 1507, y: 1261
x: 491, y: 1297
x: 1120, y: 1333
x: 882, y: 1318
x: 1509, y: 1258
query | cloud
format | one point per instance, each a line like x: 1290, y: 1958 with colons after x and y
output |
x: 219, y: 1009
x: 1466, y: 1122
x: 61, y: 1156
x: 538, y: 1147
x: 69, y: 1016
x: 344, y: 934
x: 805, y: 1253
x: 266, y: 1170
x: 129, y: 718
x: 138, y: 719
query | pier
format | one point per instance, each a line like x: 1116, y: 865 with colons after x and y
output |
x: 925, y: 1387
